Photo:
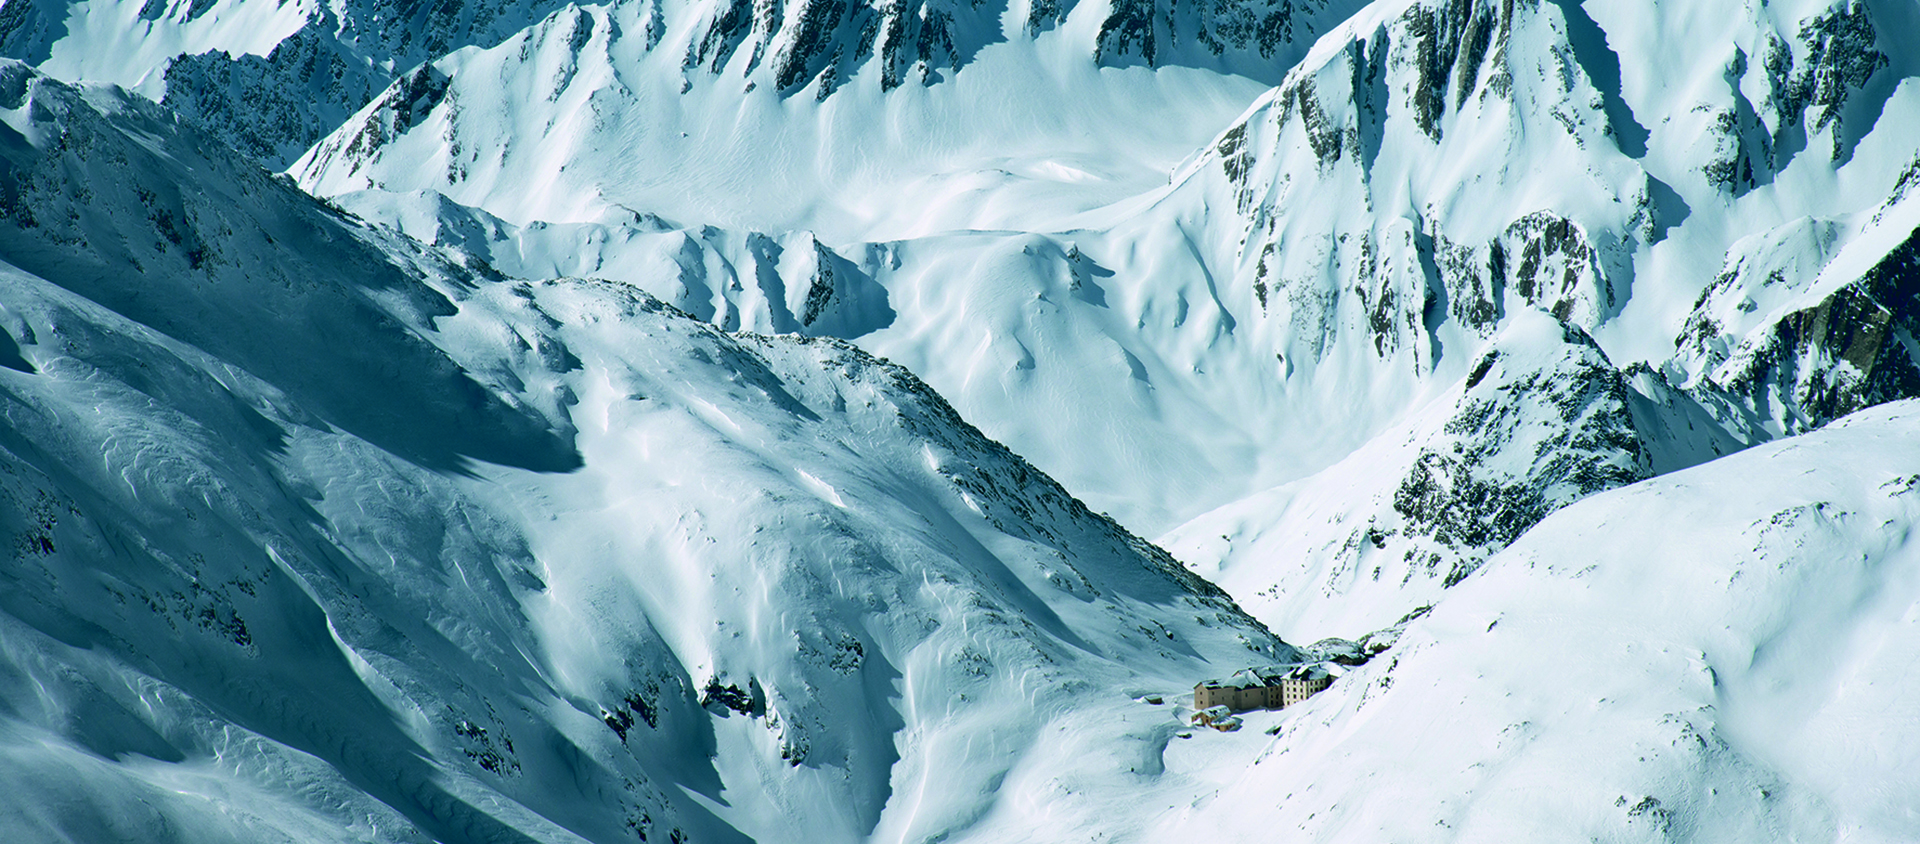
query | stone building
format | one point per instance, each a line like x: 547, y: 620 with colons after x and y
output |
x: 1271, y: 687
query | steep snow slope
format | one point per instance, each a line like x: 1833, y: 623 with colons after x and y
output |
x: 1333, y: 262
x: 1543, y: 419
x: 1023, y: 328
x: 1411, y: 189
x: 754, y: 117
x: 276, y: 90
x: 317, y: 535
x: 1720, y: 654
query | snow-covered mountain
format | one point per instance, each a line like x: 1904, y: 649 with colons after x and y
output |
x: 1364, y: 228
x: 273, y: 77
x: 1720, y: 654
x: 775, y: 117
x: 1404, y: 202
x: 318, y: 535
x: 553, y: 451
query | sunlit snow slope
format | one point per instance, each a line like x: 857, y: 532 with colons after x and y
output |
x: 1333, y: 262
x: 314, y: 535
x: 1721, y: 654
x: 546, y: 454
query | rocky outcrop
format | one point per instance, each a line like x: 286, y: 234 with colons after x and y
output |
x: 274, y: 108
x: 1806, y: 82
x: 1160, y: 32
x: 28, y: 28
x: 1854, y: 347
x: 828, y: 40
x: 1347, y: 227
x: 1448, y: 46
x: 1535, y: 430
x: 1541, y: 419
x: 1550, y: 262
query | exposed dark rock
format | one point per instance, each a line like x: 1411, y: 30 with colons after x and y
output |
x: 1475, y: 282
x: 1447, y: 43
x: 718, y: 697
x: 1812, y: 83
x: 250, y: 101
x: 274, y: 108
x: 1840, y: 57
x: 28, y: 28
x: 1853, y: 349
x: 404, y: 104
x: 1157, y: 32
x: 1552, y: 264
x: 1525, y: 439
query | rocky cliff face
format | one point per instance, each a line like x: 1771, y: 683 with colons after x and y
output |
x: 1814, y: 319
x: 1526, y: 438
x: 1333, y: 176
x: 274, y: 103
x: 1831, y: 353
x: 1798, y: 83
x: 274, y: 107
x: 1541, y: 420
x: 1448, y: 85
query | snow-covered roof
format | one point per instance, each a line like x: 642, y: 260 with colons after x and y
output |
x: 1271, y: 675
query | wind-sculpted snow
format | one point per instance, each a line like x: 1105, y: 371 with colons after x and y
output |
x: 1818, y: 318
x: 273, y: 91
x: 1541, y: 420
x: 1722, y: 654
x: 752, y: 282
x: 99, y: 192
x: 765, y: 588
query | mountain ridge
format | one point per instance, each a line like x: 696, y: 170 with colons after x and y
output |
x: 596, y: 432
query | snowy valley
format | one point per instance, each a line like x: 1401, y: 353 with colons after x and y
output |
x: 713, y: 421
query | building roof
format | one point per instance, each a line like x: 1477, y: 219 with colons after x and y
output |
x: 1271, y: 675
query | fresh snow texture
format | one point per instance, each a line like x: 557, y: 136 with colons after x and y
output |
x: 1721, y: 654
x: 553, y: 452
x: 573, y: 566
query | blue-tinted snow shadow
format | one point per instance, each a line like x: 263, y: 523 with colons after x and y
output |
x: 1602, y: 66
x: 262, y: 659
x: 207, y: 248
x: 1669, y: 210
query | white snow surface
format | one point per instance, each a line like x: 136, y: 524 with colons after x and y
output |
x: 567, y: 472
x: 129, y: 44
x: 1314, y: 275
x: 1719, y: 654
x: 573, y: 566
